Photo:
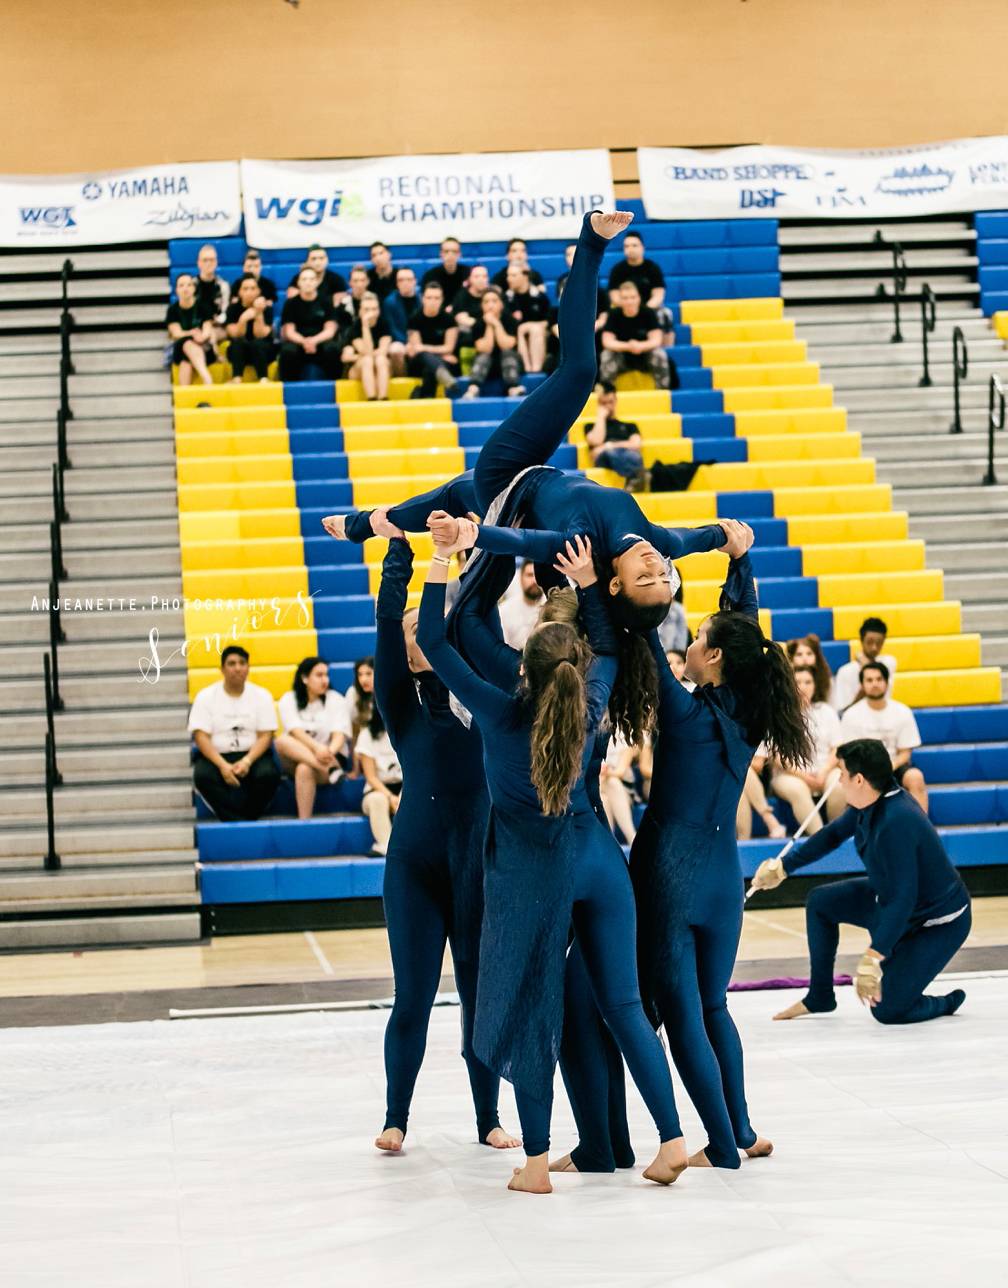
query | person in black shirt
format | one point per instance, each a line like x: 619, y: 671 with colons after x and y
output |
x: 495, y: 335
x: 430, y: 346
x: 253, y: 265
x: 249, y: 326
x: 346, y: 310
x: 517, y: 253
x: 632, y: 341
x: 382, y: 273
x: 211, y: 289
x: 190, y: 326
x: 331, y: 285
x: 308, y: 330
x: 529, y: 306
x: 450, y: 275
x: 467, y: 306
x: 649, y: 278
x: 366, y: 354
x: 615, y: 444
x: 602, y: 297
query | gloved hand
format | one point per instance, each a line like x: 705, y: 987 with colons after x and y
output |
x: 769, y: 874
x: 868, y: 979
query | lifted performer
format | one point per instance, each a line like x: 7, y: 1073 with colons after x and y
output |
x: 913, y: 900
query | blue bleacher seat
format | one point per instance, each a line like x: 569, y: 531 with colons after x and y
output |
x: 745, y: 505
x: 788, y: 592
x: 991, y: 223
x: 794, y: 623
x: 282, y: 839
x: 963, y: 724
x: 709, y: 425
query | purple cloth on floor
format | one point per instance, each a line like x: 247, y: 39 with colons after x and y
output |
x: 785, y: 981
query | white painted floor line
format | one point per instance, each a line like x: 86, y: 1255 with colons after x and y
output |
x: 293, y: 1008
x: 316, y: 948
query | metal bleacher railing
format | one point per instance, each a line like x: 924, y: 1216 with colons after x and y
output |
x: 928, y: 322
x: 899, y: 275
x: 58, y: 572
x: 960, y: 370
x: 995, y: 397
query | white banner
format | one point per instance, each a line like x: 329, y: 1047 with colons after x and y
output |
x: 150, y: 204
x: 772, y: 182
x: 478, y: 197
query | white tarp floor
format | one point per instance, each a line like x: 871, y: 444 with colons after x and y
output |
x: 237, y: 1153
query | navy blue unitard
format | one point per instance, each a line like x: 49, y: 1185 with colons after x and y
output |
x: 913, y: 901
x: 433, y: 870
x: 537, y: 882
x: 685, y: 869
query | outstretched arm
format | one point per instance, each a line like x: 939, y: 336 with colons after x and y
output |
x: 676, y: 543
x: 392, y: 677
x: 675, y: 704
x: 491, y: 657
x: 575, y: 561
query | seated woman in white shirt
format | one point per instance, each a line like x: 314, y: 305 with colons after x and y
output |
x: 360, y: 703
x: 316, y: 729
x: 383, y: 775
x: 803, y: 786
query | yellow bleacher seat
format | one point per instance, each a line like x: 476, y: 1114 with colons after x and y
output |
x: 819, y: 529
x: 190, y: 396
x: 796, y: 447
x: 420, y: 411
x: 676, y: 509
x: 285, y: 614
x: 932, y: 618
x: 731, y: 310
x: 870, y: 556
x: 757, y: 331
x: 402, y: 438
x: 400, y: 387
x: 229, y: 420
x: 416, y: 580
x: 641, y: 402
x: 234, y: 469
x: 652, y: 425
x: 265, y: 647
x: 769, y: 351
x: 1000, y: 324
x: 791, y: 420
x: 743, y: 476
x: 417, y: 462
x: 255, y: 552
x: 236, y: 525
x: 694, y: 619
x: 981, y: 684
x: 250, y: 442
x: 930, y: 652
x: 237, y: 496
x: 245, y: 583
x: 908, y: 587
x: 744, y: 375
x: 865, y: 497
x: 634, y: 381
x: 368, y: 493
x: 777, y: 397
x: 276, y: 679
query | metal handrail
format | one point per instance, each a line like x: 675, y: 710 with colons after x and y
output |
x: 52, y: 860
x: 57, y: 568
x: 995, y: 393
x: 62, y: 453
x: 60, y: 515
x: 960, y: 370
x: 57, y: 636
x: 928, y: 323
x: 51, y: 706
x: 899, y: 274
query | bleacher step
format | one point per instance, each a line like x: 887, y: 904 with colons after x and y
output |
x: 964, y: 528
x: 937, y: 446
x: 79, y: 844
x: 16, y: 598
x: 922, y: 501
x: 98, y: 728
x: 95, y: 692
x: 978, y: 587
x: 28, y: 460
x: 877, y: 263
x: 968, y: 556
x: 98, y: 317
x: 108, y: 764
x: 96, y: 658
x: 856, y: 233
x: 83, y: 483
x: 866, y: 290
x: 90, y: 932
x: 917, y: 473
x: 117, y: 802
x: 994, y: 648
x: 24, y: 627
x: 149, y: 358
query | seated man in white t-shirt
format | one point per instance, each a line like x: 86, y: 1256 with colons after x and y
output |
x: 519, y: 610
x: 847, y: 681
x: 316, y: 732
x: 892, y: 723
x: 802, y: 787
x: 232, y: 724
x: 383, y: 775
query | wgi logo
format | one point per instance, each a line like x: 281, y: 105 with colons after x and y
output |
x: 48, y: 217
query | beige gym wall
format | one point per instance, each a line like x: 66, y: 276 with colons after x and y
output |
x: 99, y: 84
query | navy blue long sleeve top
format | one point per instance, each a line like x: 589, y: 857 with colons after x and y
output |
x: 913, y: 878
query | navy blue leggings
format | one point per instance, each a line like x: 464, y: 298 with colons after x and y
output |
x: 604, y: 918
x: 418, y: 913
x: 906, y: 972
x: 540, y: 423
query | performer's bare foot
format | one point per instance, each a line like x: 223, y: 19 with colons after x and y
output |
x: 499, y: 1139
x: 671, y: 1162
x: 533, y: 1178
x: 563, y: 1165
x: 793, y: 1012
x: 700, y: 1159
x: 390, y: 1140
x: 762, y: 1148
x: 335, y: 525
x: 612, y: 224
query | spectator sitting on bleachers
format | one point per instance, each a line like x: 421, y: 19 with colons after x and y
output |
x: 450, y: 275
x: 888, y: 721
x: 676, y: 658
x: 430, y: 346
x: 519, y: 610
x: 494, y: 336
x: 382, y: 273
x: 650, y: 282
x: 331, y: 285
x: 530, y: 307
x: 467, y: 304
x: 232, y: 723
x: 253, y: 265
x: 308, y: 330
x: 602, y: 297
x: 190, y: 328
x: 348, y: 307
x: 553, y: 318
x: 802, y: 786
x: 397, y: 309
x: 674, y: 632
x: 249, y: 326
x: 847, y: 685
x: 808, y: 652
x: 753, y: 800
x: 366, y: 356
x: 632, y: 341
x: 360, y: 701
x: 517, y: 253
x: 211, y: 289
x: 316, y: 732
x: 383, y: 776
x: 615, y: 444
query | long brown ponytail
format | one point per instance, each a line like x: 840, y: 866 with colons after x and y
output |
x: 555, y: 662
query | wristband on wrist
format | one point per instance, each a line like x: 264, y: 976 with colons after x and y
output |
x: 441, y: 559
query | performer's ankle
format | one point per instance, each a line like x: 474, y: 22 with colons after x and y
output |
x: 819, y: 1004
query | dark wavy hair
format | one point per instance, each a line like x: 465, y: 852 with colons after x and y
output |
x: 821, y: 669
x: 305, y: 668
x: 633, y: 703
x: 759, y: 674
x: 555, y: 662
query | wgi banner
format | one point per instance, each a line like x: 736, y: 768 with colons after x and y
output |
x: 149, y: 204
x: 680, y: 183
x: 478, y: 197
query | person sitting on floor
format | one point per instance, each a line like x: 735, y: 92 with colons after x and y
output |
x: 316, y: 732
x: 232, y: 724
